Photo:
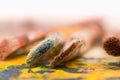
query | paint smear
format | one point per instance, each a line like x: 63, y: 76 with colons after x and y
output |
x: 80, y: 69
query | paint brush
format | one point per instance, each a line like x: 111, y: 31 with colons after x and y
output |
x: 111, y: 45
x: 45, y: 49
x: 15, y: 36
x: 79, y: 43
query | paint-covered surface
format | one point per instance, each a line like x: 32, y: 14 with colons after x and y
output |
x: 80, y: 69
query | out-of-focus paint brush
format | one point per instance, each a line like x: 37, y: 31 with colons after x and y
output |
x: 111, y: 43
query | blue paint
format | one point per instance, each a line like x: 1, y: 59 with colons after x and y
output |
x: 6, y: 74
x: 11, y: 71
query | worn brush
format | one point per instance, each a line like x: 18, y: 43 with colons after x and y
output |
x: 46, y: 49
x: 79, y: 43
x: 112, y: 45
x: 69, y: 51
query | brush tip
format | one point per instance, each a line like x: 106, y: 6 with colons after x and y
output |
x: 112, y: 46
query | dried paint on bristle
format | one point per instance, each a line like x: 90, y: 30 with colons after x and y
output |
x: 112, y: 46
x: 67, y: 53
x: 44, y: 50
x: 38, y: 51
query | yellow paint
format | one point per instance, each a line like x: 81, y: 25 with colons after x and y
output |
x: 30, y: 76
x: 101, y: 70
x: 93, y: 76
x: 12, y: 61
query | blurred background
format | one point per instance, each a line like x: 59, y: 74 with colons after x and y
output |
x: 56, y: 12
x: 19, y: 35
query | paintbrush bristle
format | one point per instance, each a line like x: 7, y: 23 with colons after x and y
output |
x: 69, y: 51
x: 112, y: 46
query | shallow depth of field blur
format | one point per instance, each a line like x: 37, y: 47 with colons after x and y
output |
x: 35, y: 19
